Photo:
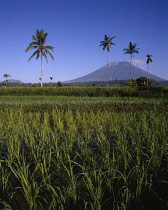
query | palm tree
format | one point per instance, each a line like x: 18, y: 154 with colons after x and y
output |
x: 41, y: 50
x: 131, y: 50
x: 107, y: 44
x: 148, y: 61
x: 40, y: 81
x: 51, y: 80
x: 6, y: 76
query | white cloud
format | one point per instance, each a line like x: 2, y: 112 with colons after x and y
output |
x: 139, y: 64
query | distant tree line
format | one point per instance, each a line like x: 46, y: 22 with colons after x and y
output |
x: 142, y: 81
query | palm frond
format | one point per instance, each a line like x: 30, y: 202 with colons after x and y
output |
x: 136, y: 51
x: 127, y: 52
x: 50, y: 54
x: 101, y: 45
x: 125, y: 49
x: 111, y: 43
x: 34, y: 38
x: 38, y: 54
x: 131, y: 49
x: 35, y: 53
x: 39, y: 40
x: 34, y: 43
x: 148, y: 58
x: 6, y: 75
x: 112, y: 38
x: 41, y: 36
x: 44, y: 54
x: 107, y: 43
x: 29, y: 48
x: 49, y: 47
x: 108, y: 48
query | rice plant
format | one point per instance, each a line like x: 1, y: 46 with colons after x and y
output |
x: 83, y: 153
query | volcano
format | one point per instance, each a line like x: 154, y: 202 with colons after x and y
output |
x: 117, y: 70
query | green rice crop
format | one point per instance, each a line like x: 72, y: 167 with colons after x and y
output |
x: 59, y: 152
x: 64, y: 102
x: 147, y: 92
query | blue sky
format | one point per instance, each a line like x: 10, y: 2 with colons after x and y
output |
x: 75, y: 28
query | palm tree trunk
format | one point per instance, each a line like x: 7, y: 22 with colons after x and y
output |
x: 147, y: 75
x: 41, y: 81
x: 130, y: 69
x: 107, y: 70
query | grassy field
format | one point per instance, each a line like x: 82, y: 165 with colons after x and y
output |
x: 125, y: 91
x: 91, y: 149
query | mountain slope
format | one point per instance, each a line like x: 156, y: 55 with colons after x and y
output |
x: 13, y: 81
x: 118, y: 70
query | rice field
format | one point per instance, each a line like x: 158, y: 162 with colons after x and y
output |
x: 83, y: 152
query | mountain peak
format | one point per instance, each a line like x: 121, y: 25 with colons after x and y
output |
x: 115, y: 63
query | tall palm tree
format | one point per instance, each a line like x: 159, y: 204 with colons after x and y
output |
x: 148, y: 61
x: 41, y: 50
x: 51, y: 80
x: 6, y: 76
x: 131, y: 50
x: 107, y: 44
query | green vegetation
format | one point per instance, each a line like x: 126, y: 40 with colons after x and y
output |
x: 83, y: 148
x: 112, y: 83
x: 91, y: 91
x: 143, y: 81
